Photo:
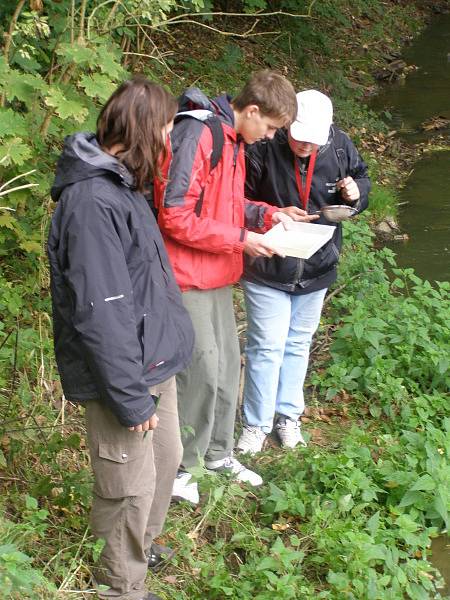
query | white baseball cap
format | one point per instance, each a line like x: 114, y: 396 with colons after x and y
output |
x: 314, y: 118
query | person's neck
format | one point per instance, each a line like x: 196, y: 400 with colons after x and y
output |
x: 238, y: 117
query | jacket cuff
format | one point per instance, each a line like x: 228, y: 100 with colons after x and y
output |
x: 239, y: 245
x: 268, y: 216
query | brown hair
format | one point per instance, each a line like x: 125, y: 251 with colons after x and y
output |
x: 134, y: 117
x: 272, y: 93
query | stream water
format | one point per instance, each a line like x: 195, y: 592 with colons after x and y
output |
x: 423, y: 95
x: 425, y: 215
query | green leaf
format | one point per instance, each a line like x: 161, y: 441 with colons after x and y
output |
x: 31, y: 503
x: 411, y: 497
x: 15, y: 151
x: 373, y: 523
x: 76, y: 53
x: 346, y: 502
x: 65, y: 108
x: 355, y: 373
x: 97, y: 86
x: 267, y: 563
x: 374, y: 338
x: 30, y: 246
x: 12, y: 123
x: 358, y: 329
x: 22, y: 86
x: 425, y: 483
x: 399, y: 283
x: 406, y: 523
x: 442, y: 508
x: 108, y: 60
x: 7, y: 220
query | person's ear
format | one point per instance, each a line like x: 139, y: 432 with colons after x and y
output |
x: 251, y: 111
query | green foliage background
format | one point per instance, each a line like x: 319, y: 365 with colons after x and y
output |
x: 351, y: 519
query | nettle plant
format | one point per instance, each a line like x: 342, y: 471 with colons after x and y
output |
x: 392, y: 333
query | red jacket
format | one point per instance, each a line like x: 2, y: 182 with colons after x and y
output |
x: 203, y: 214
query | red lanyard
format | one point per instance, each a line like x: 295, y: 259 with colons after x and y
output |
x: 304, y: 193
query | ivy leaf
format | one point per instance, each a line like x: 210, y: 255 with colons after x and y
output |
x: 97, y: 86
x: 65, y: 108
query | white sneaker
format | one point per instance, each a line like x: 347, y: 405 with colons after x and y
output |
x: 232, y: 465
x: 183, y: 490
x: 289, y: 432
x: 251, y: 440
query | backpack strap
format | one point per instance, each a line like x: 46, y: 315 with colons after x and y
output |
x: 214, y: 124
x: 340, y: 152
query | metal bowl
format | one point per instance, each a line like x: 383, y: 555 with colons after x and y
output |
x: 338, y: 212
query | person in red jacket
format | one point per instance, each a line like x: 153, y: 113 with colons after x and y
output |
x: 207, y: 225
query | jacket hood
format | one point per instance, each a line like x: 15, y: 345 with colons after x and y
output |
x: 82, y: 158
x: 193, y: 99
x: 223, y: 109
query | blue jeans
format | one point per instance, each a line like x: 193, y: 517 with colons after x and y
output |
x: 280, y: 327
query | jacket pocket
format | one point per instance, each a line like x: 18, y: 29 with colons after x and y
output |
x: 162, y: 341
x: 323, y: 261
x: 125, y: 468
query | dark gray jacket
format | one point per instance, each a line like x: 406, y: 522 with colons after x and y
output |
x: 119, y: 322
x: 271, y: 178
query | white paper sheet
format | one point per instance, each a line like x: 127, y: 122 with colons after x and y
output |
x: 301, y: 240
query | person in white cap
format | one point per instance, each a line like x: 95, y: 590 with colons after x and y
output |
x: 309, y: 166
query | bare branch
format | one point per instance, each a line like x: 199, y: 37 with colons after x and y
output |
x: 251, y: 15
x: 19, y: 187
x: 16, y: 177
x: 246, y: 34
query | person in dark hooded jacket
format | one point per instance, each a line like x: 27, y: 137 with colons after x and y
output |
x: 121, y: 332
x: 311, y: 165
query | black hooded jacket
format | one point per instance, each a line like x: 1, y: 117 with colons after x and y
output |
x: 271, y: 178
x: 119, y: 322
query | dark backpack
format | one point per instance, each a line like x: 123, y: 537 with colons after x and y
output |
x: 193, y: 104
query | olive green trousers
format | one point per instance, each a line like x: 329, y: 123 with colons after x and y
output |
x: 208, y: 389
x: 133, y: 479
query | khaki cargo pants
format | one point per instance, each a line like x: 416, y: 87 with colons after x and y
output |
x: 133, y: 478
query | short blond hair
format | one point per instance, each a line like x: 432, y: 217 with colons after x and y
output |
x: 272, y: 93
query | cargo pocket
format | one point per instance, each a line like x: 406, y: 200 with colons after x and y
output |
x: 123, y: 470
